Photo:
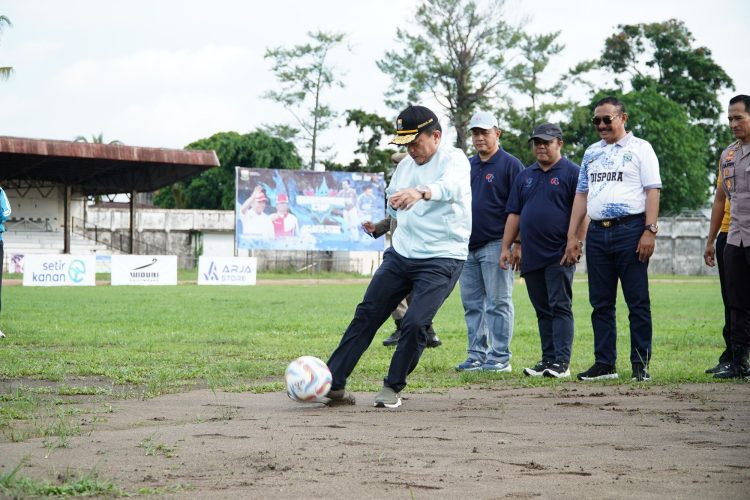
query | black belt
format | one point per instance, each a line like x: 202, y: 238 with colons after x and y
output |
x: 616, y: 222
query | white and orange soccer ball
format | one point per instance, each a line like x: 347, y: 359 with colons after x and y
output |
x: 308, y: 379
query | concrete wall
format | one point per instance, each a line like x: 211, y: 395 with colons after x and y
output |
x: 679, y: 244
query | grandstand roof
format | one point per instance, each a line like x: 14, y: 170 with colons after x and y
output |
x: 99, y: 168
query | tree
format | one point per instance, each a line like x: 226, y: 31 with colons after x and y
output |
x: 95, y: 139
x: 5, y: 71
x: 455, y: 52
x: 214, y: 189
x: 304, y: 73
x: 662, y: 56
x: 372, y: 129
x: 680, y: 146
x: 525, y: 78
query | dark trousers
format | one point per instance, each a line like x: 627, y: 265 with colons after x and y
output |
x: 551, y: 293
x: 611, y: 256
x: 721, y: 243
x: 429, y: 281
x: 737, y: 263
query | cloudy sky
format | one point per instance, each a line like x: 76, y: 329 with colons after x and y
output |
x: 164, y: 73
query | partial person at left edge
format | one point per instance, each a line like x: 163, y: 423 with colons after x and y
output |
x: 4, y: 215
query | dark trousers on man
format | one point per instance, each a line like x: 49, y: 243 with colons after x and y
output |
x: 721, y: 243
x: 551, y: 293
x: 429, y: 281
x: 737, y: 262
x: 611, y: 256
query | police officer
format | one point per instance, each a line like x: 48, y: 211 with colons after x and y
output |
x: 735, y: 182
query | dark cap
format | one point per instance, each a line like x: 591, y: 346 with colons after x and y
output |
x: 547, y: 132
x: 411, y: 122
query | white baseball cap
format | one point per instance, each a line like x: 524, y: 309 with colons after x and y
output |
x: 483, y: 120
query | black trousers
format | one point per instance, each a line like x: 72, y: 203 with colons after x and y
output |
x: 429, y: 281
x: 737, y: 263
x: 721, y: 243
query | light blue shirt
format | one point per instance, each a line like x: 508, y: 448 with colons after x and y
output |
x: 4, y: 212
x: 439, y: 227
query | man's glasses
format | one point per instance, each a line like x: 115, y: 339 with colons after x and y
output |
x: 608, y: 119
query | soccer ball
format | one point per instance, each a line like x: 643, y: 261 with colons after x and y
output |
x: 307, y: 379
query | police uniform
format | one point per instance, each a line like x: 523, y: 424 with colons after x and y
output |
x: 735, y: 180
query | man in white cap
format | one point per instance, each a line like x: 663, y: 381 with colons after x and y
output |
x: 430, y: 196
x: 486, y: 289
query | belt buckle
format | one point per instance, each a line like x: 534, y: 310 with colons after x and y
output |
x: 606, y: 223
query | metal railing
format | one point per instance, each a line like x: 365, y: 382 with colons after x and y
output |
x: 113, y: 239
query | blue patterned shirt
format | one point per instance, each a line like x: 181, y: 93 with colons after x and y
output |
x: 617, y: 176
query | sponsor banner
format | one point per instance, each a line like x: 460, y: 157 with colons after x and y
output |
x: 306, y: 210
x: 144, y: 270
x: 227, y: 270
x: 59, y: 270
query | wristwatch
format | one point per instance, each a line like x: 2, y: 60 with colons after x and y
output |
x: 421, y: 189
x: 651, y: 227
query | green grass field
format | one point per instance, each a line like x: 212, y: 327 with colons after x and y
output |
x: 110, y: 342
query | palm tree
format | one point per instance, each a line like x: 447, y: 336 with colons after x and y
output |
x: 96, y: 139
x: 5, y: 71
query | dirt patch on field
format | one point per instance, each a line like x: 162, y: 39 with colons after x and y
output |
x: 568, y: 441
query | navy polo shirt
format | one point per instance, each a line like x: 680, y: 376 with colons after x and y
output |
x: 491, y: 183
x: 544, y: 200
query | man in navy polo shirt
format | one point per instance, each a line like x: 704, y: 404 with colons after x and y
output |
x: 539, y: 205
x: 486, y: 289
x: 618, y: 188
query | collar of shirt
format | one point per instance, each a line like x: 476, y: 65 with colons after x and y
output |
x: 622, y: 142
x: 492, y: 159
x: 556, y: 166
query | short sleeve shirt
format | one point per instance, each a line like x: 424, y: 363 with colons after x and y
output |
x: 735, y: 179
x: 616, y: 177
x: 544, y: 201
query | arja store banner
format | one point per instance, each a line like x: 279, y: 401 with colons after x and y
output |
x: 59, y: 270
x: 227, y: 270
x: 306, y: 210
x: 144, y: 270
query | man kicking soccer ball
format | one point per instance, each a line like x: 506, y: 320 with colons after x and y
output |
x: 430, y: 196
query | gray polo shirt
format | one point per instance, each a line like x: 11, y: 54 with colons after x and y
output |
x: 735, y: 179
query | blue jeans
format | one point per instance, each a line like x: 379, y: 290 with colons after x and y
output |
x: 611, y: 255
x: 429, y: 281
x: 487, y: 296
x: 551, y: 293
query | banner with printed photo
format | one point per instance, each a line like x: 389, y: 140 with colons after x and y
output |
x: 306, y: 210
x: 227, y: 270
x: 144, y: 270
x: 59, y: 270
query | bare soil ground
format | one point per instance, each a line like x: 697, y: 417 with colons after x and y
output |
x: 569, y: 441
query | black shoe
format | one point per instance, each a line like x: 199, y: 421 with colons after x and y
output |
x: 719, y: 367
x: 739, y: 367
x: 640, y: 373
x: 728, y: 371
x: 557, y: 370
x: 599, y: 372
x: 432, y: 338
x: 538, y: 370
x: 393, y: 339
